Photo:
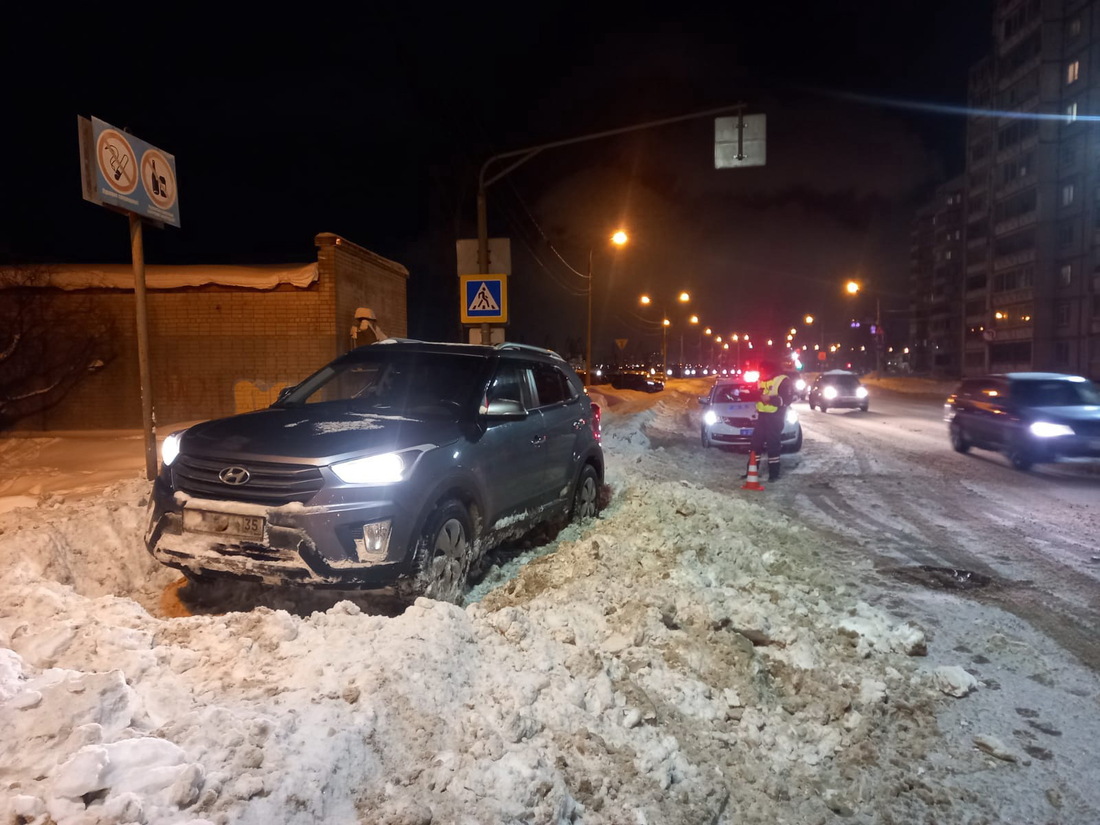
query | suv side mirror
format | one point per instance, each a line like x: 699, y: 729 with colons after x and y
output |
x: 504, y: 409
x: 704, y: 399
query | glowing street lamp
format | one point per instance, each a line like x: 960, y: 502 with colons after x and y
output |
x: 619, y: 239
x: 683, y: 298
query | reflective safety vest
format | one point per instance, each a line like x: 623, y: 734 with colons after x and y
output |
x: 769, y: 388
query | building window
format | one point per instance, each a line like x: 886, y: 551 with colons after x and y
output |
x: 1065, y: 275
x: 1074, y: 27
x: 1067, y: 194
x: 1065, y: 233
x: 1073, y: 72
x: 1071, y: 112
x: 1061, y: 314
x: 1061, y: 353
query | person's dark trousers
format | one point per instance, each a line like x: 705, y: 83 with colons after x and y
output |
x: 766, y: 439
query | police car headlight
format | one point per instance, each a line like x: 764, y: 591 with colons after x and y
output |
x: 861, y: 392
x: 829, y: 392
x: 792, y: 416
x: 1048, y: 429
x: 710, y: 418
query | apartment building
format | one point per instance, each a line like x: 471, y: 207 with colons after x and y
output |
x: 937, y: 255
x: 1028, y: 294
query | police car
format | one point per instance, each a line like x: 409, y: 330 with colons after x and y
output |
x: 729, y: 416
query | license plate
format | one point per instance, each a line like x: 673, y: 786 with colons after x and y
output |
x: 226, y: 524
x: 746, y: 431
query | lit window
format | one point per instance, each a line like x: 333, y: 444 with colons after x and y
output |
x: 1073, y: 71
x: 1067, y: 194
x: 1075, y: 27
x: 1065, y: 274
x: 1071, y: 112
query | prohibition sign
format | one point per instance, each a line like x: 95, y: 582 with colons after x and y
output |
x: 117, y: 162
x: 157, y: 178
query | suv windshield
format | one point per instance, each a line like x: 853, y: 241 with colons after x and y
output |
x: 394, y: 383
x: 1055, y: 393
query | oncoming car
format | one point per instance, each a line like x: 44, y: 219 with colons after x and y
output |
x: 838, y: 388
x: 729, y: 418
x: 1031, y: 417
x: 399, y: 464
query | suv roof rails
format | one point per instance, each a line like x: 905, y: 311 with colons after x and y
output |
x: 527, y: 348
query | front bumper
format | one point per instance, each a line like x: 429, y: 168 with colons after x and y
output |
x: 317, y: 546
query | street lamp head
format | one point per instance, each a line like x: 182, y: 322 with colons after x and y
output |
x: 646, y: 300
x: 666, y: 322
x: 684, y: 297
x: 694, y: 319
x: 619, y: 238
x: 809, y: 319
x: 853, y: 287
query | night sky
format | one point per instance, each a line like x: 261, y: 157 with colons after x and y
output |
x: 373, y: 125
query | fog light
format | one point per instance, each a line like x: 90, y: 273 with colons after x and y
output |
x: 376, y: 541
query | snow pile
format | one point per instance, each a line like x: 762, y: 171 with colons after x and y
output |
x: 688, y: 657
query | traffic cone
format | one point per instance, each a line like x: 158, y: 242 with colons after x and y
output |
x: 752, y: 480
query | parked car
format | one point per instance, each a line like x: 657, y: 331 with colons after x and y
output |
x: 730, y: 417
x: 397, y: 465
x: 838, y: 388
x: 640, y: 380
x: 1031, y: 417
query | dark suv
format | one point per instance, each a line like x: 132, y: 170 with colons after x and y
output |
x: 1031, y: 417
x: 398, y: 464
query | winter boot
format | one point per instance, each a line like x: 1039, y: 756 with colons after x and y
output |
x: 773, y: 469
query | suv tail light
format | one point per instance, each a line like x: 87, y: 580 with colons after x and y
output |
x: 596, y: 420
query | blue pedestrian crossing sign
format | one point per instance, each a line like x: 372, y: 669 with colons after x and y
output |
x: 484, y: 299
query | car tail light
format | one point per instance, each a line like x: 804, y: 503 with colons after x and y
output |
x: 596, y: 420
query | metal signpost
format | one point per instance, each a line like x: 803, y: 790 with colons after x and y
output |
x: 129, y: 176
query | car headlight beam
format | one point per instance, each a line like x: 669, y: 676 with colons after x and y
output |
x: 1048, y: 429
x: 829, y: 392
x: 170, y: 447
x: 710, y: 418
x: 861, y: 392
x: 387, y: 468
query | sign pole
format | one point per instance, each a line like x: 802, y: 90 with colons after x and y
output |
x: 137, y: 252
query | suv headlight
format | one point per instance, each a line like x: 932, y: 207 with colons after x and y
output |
x: 829, y: 392
x: 861, y: 392
x: 170, y: 447
x: 1048, y: 429
x: 387, y: 468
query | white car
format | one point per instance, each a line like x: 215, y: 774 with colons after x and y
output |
x: 729, y: 418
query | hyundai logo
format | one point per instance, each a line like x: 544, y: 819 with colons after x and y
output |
x: 235, y: 476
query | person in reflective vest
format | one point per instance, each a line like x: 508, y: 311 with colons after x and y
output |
x: 776, y: 394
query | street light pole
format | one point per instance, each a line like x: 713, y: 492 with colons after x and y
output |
x: 588, y: 339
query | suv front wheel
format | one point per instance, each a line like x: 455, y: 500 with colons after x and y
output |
x: 442, y: 557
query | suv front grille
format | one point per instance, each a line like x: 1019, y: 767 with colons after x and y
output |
x: 269, y: 483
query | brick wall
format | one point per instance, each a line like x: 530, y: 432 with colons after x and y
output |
x: 216, y: 350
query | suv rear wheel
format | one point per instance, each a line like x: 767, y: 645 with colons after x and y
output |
x: 442, y: 558
x: 586, y: 495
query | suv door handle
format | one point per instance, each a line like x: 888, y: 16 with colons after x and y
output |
x: 579, y: 423
x: 538, y: 440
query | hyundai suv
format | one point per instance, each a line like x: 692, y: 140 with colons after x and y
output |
x: 1031, y: 417
x: 399, y: 464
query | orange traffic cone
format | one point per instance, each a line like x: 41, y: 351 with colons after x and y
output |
x: 752, y: 480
